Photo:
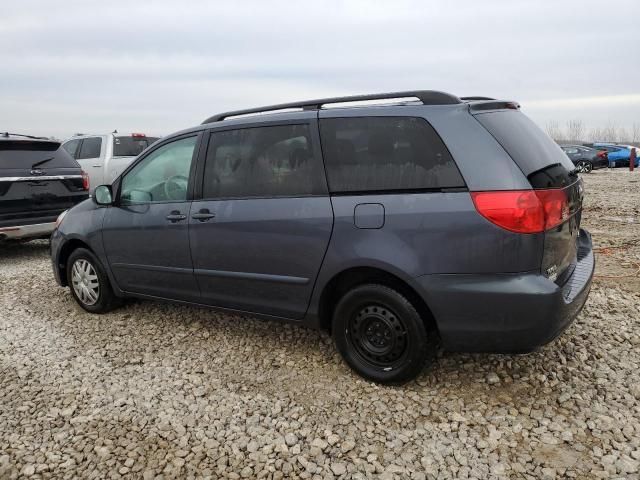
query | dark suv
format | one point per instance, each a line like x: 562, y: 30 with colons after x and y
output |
x: 38, y: 181
x: 398, y: 227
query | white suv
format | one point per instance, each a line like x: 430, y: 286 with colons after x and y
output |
x: 104, y: 157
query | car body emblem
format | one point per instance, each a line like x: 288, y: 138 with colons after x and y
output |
x: 37, y: 171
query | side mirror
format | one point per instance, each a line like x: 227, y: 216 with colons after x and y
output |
x: 102, y: 195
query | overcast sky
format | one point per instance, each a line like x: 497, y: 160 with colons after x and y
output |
x: 157, y: 67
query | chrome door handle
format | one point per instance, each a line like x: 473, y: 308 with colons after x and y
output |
x: 96, y: 165
x: 175, y: 216
x: 203, y: 215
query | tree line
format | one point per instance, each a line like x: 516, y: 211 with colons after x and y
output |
x: 575, y: 131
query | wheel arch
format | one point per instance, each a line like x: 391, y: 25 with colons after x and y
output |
x: 65, y: 251
x: 349, y: 278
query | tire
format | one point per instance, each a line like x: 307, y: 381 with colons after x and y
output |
x: 381, y: 336
x: 91, y: 275
x: 584, y: 166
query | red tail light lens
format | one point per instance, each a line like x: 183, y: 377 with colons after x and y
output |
x: 523, y: 211
x: 602, y: 154
x: 85, y: 181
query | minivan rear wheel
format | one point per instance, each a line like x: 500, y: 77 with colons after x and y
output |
x: 380, y: 334
x: 89, y: 283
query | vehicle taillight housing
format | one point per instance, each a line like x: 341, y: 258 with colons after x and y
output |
x: 523, y: 211
x: 85, y: 181
x: 602, y: 154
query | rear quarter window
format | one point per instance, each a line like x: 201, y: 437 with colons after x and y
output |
x: 369, y: 154
x: 529, y: 147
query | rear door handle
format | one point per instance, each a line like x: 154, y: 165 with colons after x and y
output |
x: 175, y: 216
x: 203, y: 215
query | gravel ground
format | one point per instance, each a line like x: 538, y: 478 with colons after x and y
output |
x: 160, y: 391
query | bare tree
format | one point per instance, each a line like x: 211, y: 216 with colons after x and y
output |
x: 622, y: 135
x: 553, y: 130
x: 635, y: 132
x: 595, y: 134
x: 575, y: 129
x: 609, y: 132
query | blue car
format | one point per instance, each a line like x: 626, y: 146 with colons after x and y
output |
x: 618, y: 154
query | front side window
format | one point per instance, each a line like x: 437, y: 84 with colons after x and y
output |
x: 90, y: 148
x: 162, y: 176
x: 368, y: 154
x: 262, y: 162
x: 72, y: 147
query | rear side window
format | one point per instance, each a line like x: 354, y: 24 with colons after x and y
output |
x: 526, y: 144
x: 368, y: 154
x: 90, y: 148
x: 262, y: 162
x: 26, y: 154
x: 131, y: 146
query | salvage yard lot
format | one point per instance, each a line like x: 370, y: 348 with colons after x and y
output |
x: 154, y: 389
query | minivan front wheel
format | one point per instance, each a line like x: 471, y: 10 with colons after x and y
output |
x: 88, y: 282
x: 380, y: 334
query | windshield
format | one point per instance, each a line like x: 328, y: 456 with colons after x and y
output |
x: 131, y: 146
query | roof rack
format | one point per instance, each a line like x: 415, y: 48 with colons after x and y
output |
x: 470, y: 99
x: 427, y: 97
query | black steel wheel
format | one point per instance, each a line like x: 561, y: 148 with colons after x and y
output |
x: 381, y: 335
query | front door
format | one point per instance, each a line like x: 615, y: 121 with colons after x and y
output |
x: 260, y: 232
x: 146, y: 232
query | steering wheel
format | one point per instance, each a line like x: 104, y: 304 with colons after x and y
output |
x: 175, y: 187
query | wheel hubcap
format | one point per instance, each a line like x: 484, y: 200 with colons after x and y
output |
x: 84, y: 280
x: 377, y: 335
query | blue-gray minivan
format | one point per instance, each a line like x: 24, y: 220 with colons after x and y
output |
x: 427, y: 221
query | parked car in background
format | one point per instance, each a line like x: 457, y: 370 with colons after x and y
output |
x: 376, y: 223
x: 104, y: 157
x: 586, y: 159
x: 38, y: 181
x: 618, y: 154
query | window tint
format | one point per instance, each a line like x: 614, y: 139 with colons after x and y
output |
x: 162, y: 176
x: 385, y: 153
x: 26, y: 154
x: 570, y: 150
x: 262, y: 162
x: 524, y: 141
x: 71, y: 147
x: 90, y: 148
x: 131, y: 146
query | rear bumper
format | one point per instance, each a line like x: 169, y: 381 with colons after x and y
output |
x: 507, y: 313
x: 27, y: 231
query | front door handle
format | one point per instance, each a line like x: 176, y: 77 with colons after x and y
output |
x: 175, y: 216
x: 203, y: 215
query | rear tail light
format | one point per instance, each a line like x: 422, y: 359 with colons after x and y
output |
x: 523, y: 211
x: 602, y: 154
x: 138, y: 135
x: 85, y: 181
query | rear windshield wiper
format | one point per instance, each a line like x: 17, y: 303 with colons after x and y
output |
x: 37, y: 164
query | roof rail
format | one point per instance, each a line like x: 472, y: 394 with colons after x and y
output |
x: 469, y: 99
x: 427, y: 97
